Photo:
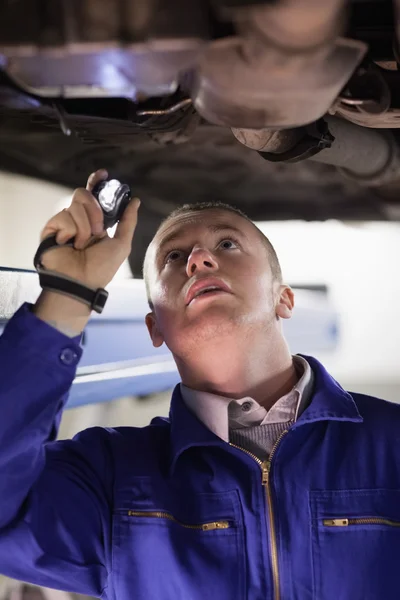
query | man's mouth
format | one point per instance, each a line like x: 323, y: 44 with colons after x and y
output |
x: 208, y: 292
x: 206, y: 288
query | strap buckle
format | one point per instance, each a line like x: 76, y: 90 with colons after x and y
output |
x: 99, y: 300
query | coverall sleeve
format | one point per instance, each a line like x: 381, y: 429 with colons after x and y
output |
x: 54, y: 495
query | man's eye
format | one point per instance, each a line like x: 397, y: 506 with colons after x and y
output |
x: 229, y: 244
x: 173, y: 256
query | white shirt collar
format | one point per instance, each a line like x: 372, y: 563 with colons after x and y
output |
x: 219, y: 413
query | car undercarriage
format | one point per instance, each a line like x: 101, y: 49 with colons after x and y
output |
x: 288, y: 109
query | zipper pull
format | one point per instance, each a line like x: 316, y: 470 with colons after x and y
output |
x: 215, y: 525
x: 336, y: 522
x: 266, y: 467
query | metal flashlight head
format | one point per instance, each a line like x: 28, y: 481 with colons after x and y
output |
x: 113, y: 197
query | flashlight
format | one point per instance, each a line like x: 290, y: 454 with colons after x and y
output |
x: 113, y: 197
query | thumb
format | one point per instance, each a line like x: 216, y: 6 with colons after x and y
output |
x: 127, y: 225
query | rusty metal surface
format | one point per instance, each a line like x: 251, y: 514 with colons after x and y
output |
x: 267, y: 140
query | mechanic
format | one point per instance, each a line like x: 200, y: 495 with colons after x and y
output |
x: 268, y: 480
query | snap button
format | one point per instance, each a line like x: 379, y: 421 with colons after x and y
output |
x: 246, y: 406
x: 68, y: 356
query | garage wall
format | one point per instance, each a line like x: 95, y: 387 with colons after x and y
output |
x: 360, y: 265
x: 25, y: 206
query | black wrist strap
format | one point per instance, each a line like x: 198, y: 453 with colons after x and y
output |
x: 53, y: 281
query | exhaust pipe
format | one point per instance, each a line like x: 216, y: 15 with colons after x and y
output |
x: 284, y: 70
x: 369, y: 157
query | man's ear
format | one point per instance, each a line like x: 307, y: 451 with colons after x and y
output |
x: 285, y: 304
x: 155, y: 334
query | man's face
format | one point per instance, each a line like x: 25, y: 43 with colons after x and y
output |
x: 214, y: 247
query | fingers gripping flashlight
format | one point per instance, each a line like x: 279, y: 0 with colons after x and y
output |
x: 113, y: 198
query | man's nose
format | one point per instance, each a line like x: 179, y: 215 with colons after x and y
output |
x: 200, y: 259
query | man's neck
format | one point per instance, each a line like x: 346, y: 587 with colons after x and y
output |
x: 264, y: 372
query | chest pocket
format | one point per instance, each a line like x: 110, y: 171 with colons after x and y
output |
x: 186, y: 548
x: 356, y: 544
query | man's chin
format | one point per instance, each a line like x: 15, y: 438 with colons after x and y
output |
x: 204, y: 330
x: 214, y: 309
x: 207, y: 323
